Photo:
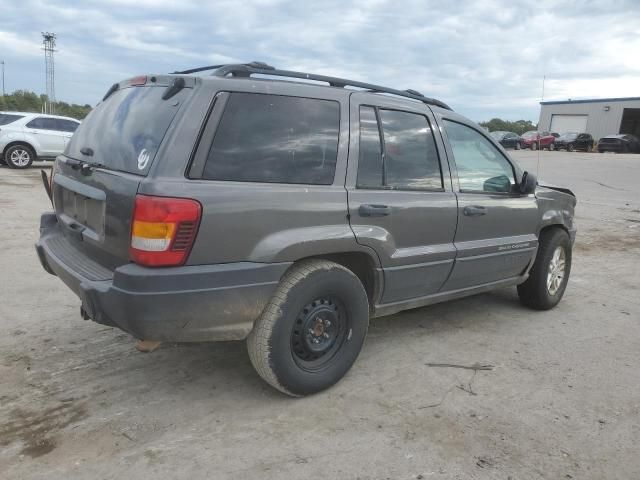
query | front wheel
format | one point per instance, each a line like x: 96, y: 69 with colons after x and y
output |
x: 550, y: 272
x: 570, y: 147
x: 551, y: 147
x: 312, y: 330
x: 534, y: 146
x: 517, y: 147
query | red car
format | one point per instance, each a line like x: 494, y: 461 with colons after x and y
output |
x: 535, y: 140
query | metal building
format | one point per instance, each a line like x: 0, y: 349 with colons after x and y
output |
x: 599, y: 117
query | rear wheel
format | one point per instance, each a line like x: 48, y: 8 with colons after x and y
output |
x: 312, y: 330
x: 19, y: 156
x: 551, y: 147
x: 570, y: 147
x: 588, y: 148
x: 534, y: 146
x: 550, y: 272
x: 517, y: 147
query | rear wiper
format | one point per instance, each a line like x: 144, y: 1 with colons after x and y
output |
x: 85, y: 167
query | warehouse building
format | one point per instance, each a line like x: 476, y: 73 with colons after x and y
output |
x: 599, y: 117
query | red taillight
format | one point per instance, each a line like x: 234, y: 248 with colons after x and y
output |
x: 163, y: 230
x: 137, y: 81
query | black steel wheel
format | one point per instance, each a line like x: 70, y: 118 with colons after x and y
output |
x: 312, y: 330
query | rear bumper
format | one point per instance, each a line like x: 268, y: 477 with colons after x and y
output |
x: 181, y: 304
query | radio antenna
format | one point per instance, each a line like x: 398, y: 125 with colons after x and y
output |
x: 544, y: 77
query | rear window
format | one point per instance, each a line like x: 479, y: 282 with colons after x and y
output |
x: 275, y: 139
x: 6, y: 119
x: 126, y: 130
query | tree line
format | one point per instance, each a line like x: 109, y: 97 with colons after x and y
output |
x: 519, y: 126
x: 26, y: 101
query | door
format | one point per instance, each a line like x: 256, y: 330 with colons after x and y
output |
x: 496, y: 236
x: 46, y: 135
x: 400, y: 198
x: 583, y: 141
x: 568, y: 123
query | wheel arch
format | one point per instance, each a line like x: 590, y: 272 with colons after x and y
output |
x: 362, y: 264
x: 20, y: 142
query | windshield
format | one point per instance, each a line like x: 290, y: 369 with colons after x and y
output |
x: 498, y: 135
x: 529, y: 134
x: 568, y: 136
x: 125, y: 131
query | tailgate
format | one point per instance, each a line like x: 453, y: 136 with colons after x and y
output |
x: 117, y: 143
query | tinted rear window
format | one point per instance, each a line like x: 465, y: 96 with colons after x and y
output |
x: 125, y: 131
x: 6, y: 119
x: 275, y: 139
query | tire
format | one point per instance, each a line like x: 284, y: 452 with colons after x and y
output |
x: 517, y: 147
x: 316, y: 301
x: 19, y: 156
x: 538, y: 292
x: 589, y: 148
x: 534, y: 146
x: 551, y: 147
x: 570, y: 147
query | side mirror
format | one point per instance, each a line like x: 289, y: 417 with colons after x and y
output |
x: 528, y: 184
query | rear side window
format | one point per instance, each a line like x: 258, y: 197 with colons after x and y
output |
x: 6, y: 118
x: 410, y: 159
x: 66, y: 125
x: 275, y: 139
x: 126, y: 130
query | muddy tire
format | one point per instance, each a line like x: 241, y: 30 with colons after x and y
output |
x: 19, y: 156
x: 550, y: 272
x: 312, y: 330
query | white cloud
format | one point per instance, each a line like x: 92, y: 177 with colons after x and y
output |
x: 486, y: 59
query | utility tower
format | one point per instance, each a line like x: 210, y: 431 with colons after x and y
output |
x: 48, y: 45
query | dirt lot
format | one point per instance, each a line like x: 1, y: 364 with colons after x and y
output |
x: 561, y: 401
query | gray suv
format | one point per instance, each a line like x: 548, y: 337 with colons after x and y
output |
x: 229, y: 207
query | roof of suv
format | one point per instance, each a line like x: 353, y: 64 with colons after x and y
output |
x: 260, y: 68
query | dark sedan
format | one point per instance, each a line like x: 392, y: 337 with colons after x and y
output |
x: 508, y: 139
x: 574, y: 141
x: 622, y: 143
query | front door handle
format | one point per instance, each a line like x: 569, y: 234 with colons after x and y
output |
x: 367, y: 210
x: 475, y: 210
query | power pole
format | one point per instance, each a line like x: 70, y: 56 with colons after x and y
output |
x: 49, y: 43
x: 3, y: 92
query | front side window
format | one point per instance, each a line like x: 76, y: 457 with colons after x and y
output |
x: 7, y: 118
x: 275, y: 139
x: 481, y: 167
x: 410, y: 159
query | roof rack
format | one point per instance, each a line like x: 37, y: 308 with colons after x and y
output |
x: 261, y: 68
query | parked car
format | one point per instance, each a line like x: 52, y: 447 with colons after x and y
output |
x: 229, y: 207
x: 542, y: 140
x: 574, y: 141
x: 508, y: 139
x: 26, y: 137
x: 621, y: 143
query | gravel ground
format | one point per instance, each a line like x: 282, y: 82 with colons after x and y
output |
x: 562, y: 399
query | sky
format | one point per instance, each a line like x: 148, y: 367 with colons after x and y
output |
x: 486, y: 58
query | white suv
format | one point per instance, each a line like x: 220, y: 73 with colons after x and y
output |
x: 25, y: 137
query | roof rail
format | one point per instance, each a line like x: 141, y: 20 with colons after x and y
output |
x: 261, y: 68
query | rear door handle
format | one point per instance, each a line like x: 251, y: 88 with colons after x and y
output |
x: 475, y: 210
x: 367, y: 210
